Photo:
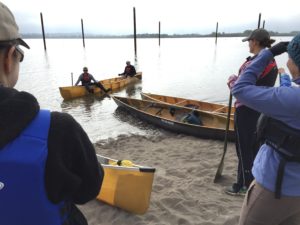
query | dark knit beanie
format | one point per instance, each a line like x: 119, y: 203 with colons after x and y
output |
x: 293, y: 50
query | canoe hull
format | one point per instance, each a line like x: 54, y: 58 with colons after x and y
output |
x: 116, y: 83
x: 217, y: 132
x: 128, y: 188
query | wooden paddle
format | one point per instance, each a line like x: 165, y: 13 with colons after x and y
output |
x: 221, y: 164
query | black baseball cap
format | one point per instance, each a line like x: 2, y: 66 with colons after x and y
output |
x: 260, y: 35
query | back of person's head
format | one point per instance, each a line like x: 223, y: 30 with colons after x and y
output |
x: 262, y: 36
x: 293, y: 50
x: 128, y: 62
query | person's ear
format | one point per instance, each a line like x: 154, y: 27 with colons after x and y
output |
x: 9, y: 60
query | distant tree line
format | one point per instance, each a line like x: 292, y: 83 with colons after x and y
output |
x: 147, y: 35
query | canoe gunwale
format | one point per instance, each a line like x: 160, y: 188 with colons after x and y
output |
x: 105, y: 160
x: 151, y: 97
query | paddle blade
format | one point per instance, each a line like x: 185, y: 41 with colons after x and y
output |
x: 220, y: 170
x: 221, y: 164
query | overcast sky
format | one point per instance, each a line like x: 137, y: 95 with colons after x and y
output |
x: 176, y: 16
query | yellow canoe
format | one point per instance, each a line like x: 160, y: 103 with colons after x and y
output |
x: 218, y: 109
x: 126, y: 185
x: 116, y: 83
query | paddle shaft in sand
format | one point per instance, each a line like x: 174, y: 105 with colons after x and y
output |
x: 221, y: 164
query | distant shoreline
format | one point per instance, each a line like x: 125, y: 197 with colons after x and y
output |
x: 146, y: 35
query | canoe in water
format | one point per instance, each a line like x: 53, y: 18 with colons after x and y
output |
x: 126, y: 185
x: 197, y: 104
x: 173, y: 118
x: 114, y: 83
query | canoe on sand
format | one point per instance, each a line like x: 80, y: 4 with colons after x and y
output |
x: 173, y: 118
x: 126, y: 185
x: 114, y: 83
x: 197, y: 104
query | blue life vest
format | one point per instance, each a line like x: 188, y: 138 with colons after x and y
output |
x: 23, y: 198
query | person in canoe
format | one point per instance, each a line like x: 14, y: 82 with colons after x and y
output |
x: 129, y: 70
x: 192, y: 118
x: 245, y: 118
x: 86, y: 80
x: 47, y: 162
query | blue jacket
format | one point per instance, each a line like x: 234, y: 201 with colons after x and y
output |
x: 281, y: 103
x: 23, y: 198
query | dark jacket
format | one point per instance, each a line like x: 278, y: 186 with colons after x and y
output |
x: 129, y: 71
x: 72, y: 173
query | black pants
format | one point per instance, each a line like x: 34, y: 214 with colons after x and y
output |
x: 245, y: 120
x: 90, y: 89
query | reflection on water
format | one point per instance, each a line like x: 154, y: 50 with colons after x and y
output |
x: 85, y: 103
x: 198, y: 70
x: 133, y: 89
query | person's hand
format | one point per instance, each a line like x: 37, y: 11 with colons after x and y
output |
x: 279, y: 48
x: 281, y: 71
x: 231, y: 80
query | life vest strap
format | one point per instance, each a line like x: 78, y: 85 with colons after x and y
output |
x: 279, y: 179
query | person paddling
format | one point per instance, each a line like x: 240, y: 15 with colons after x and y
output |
x: 86, y: 80
x: 129, y: 70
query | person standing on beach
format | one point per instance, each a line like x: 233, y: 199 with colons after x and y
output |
x: 273, y: 198
x: 129, y: 70
x: 47, y: 162
x: 86, y: 80
x: 245, y: 118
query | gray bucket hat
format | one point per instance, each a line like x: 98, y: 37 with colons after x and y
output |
x: 9, y: 30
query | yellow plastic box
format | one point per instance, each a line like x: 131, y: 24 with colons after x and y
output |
x: 126, y: 185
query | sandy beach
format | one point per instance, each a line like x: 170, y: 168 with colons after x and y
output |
x: 183, y: 189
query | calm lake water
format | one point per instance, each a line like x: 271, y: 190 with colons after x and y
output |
x: 193, y: 68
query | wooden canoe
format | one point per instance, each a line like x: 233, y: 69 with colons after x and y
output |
x: 170, y: 117
x: 200, y: 105
x: 126, y: 185
x: 114, y: 83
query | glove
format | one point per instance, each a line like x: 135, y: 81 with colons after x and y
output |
x: 279, y: 48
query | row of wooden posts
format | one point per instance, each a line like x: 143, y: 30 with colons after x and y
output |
x: 134, y: 31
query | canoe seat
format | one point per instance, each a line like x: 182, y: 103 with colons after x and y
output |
x: 159, y: 111
x: 191, y: 106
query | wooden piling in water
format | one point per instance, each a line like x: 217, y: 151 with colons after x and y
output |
x: 134, y: 30
x: 43, y: 31
x: 259, y: 17
x: 82, y: 32
x: 263, y: 25
x: 159, y: 33
x: 217, y: 27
